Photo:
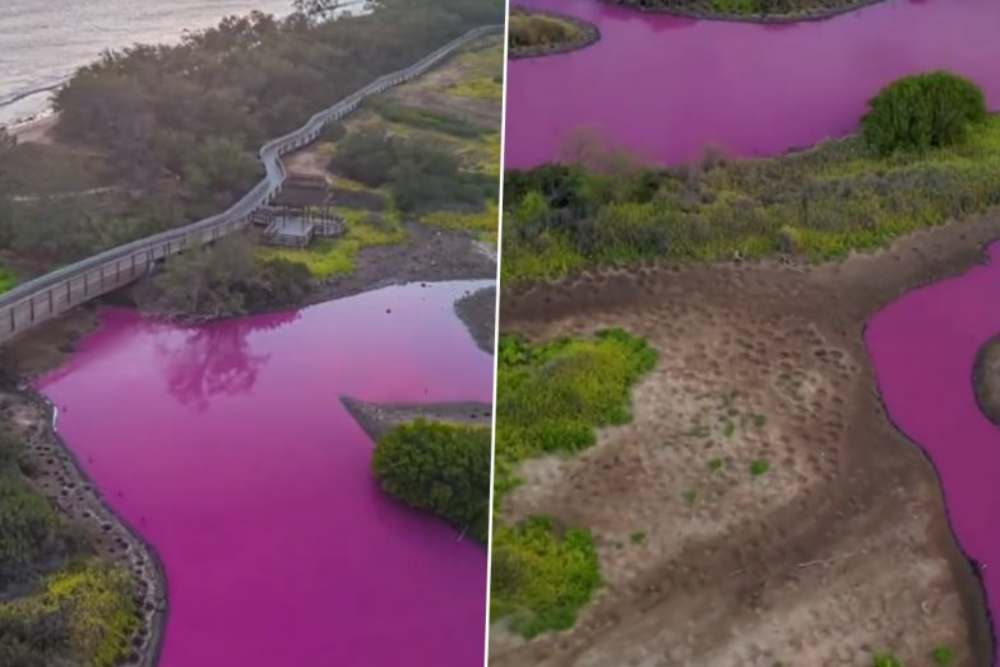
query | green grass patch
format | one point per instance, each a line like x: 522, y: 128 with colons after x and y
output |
x: 442, y: 468
x: 426, y: 119
x: 759, y: 467
x: 7, y: 279
x: 541, y: 578
x: 943, y: 656
x: 715, y: 465
x: 551, y: 396
x: 329, y: 257
x: 483, y: 223
x: 821, y: 204
x: 482, y: 88
x: 690, y: 496
x: 638, y: 537
x: 886, y: 660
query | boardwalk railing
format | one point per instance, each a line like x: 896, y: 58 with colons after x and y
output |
x: 47, y: 296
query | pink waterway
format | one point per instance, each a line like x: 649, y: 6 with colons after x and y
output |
x: 227, y: 448
x: 924, y: 347
x: 668, y: 87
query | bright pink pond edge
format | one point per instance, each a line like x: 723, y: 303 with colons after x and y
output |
x: 923, y: 347
x: 668, y: 87
x: 227, y: 448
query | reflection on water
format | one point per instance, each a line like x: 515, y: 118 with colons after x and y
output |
x: 212, y: 360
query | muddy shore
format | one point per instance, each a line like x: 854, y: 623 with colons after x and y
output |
x: 478, y: 312
x: 842, y: 550
x: 377, y: 419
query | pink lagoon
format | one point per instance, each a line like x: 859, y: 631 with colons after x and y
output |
x: 227, y: 448
x: 668, y: 87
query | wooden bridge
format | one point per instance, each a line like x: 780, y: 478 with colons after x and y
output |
x: 35, y: 301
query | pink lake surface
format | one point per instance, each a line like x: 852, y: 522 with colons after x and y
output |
x: 924, y: 347
x: 667, y: 87
x: 227, y: 448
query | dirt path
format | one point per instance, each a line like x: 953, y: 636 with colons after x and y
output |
x: 841, y: 550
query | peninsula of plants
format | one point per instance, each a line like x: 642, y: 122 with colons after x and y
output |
x: 750, y: 10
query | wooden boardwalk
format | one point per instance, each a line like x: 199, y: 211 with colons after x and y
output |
x: 33, y: 302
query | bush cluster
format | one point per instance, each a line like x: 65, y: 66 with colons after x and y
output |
x: 439, y: 467
x: 920, y: 112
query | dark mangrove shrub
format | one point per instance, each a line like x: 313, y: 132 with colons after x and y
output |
x: 924, y: 111
x: 444, y: 468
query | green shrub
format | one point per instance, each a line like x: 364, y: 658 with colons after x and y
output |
x: 923, y: 111
x: 540, y: 579
x: 443, y: 468
x: 28, y: 528
x: 943, y: 656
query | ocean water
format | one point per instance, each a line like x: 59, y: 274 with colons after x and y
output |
x: 923, y: 347
x: 667, y: 87
x: 227, y: 448
x: 42, y: 42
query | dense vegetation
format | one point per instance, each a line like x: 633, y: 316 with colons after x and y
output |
x: 533, y: 33
x: 176, y: 128
x: 223, y: 280
x: 550, y: 398
x: 59, y: 604
x: 443, y: 468
x: 748, y: 8
x: 926, y: 111
x: 819, y: 204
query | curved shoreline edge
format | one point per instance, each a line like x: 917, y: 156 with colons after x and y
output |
x: 144, y: 562
x: 758, y: 19
x: 591, y: 35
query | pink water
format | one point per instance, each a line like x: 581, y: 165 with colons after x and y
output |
x: 667, y: 87
x: 227, y: 448
x: 923, y: 347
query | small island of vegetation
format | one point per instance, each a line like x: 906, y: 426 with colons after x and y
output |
x: 440, y: 467
x: 534, y: 33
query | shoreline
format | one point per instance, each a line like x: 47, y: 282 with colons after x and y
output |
x: 79, y: 499
x: 591, y: 34
x: 863, y: 283
x: 758, y: 19
x: 377, y: 419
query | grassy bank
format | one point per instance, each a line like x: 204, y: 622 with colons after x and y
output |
x: 550, y: 399
x: 820, y: 204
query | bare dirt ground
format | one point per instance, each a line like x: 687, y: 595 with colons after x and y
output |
x: 842, y: 549
x: 377, y: 419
